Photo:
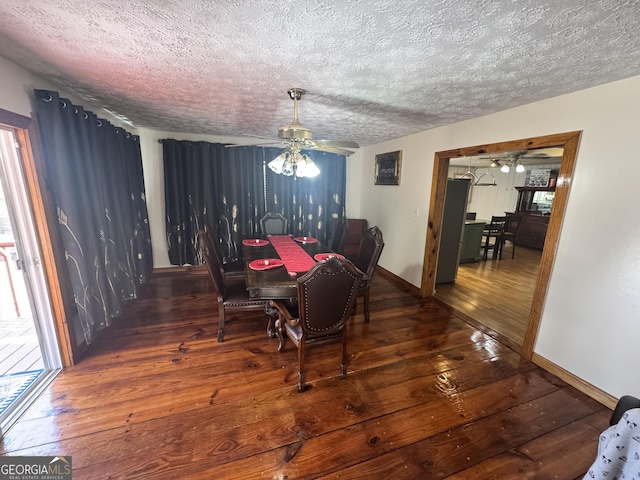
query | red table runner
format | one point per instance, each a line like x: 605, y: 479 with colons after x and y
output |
x: 295, y: 259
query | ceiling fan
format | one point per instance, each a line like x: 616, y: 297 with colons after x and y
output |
x: 506, y: 160
x: 296, y: 136
x: 514, y: 155
x: 509, y: 159
x: 510, y: 155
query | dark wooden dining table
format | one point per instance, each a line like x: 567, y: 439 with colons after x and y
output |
x: 276, y: 283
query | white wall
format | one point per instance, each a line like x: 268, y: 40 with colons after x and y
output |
x: 591, y: 320
x: 590, y: 324
x: 15, y: 82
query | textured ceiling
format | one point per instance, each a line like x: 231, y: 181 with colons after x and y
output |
x: 373, y: 70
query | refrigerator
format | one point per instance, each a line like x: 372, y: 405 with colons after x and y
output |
x: 452, y: 229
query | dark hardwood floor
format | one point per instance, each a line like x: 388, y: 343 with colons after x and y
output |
x: 427, y: 396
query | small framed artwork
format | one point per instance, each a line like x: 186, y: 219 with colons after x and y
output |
x: 387, y: 171
x: 537, y: 178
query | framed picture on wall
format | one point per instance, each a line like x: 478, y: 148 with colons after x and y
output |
x: 387, y: 169
x: 537, y: 178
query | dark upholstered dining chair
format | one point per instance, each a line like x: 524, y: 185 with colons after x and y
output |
x: 340, y: 234
x: 371, y: 246
x: 357, y: 228
x: 274, y: 223
x: 232, y: 296
x: 326, y: 294
x: 232, y: 270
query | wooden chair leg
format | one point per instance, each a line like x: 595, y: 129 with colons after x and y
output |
x: 486, y: 248
x: 279, y: 333
x: 343, y: 355
x: 366, y: 306
x: 513, y: 248
x: 301, y: 386
x: 221, y: 325
x: 271, y: 332
x: 301, y: 347
x: 272, y: 313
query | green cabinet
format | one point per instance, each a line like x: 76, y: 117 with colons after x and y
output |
x: 470, y: 251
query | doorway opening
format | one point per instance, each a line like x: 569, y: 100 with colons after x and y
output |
x: 495, y: 288
x: 29, y: 353
x: 569, y: 142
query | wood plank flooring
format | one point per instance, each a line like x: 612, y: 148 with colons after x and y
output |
x: 496, y: 295
x: 427, y: 396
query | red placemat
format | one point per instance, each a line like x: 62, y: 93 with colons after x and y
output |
x: 255, y: 242
x: 323, y: 256
x: 295, y: 259
x: 265, y: 263
x: 306, y: 240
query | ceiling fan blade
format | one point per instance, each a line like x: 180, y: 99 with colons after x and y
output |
x: 337, y: 143
x: 517, y: 153
x: 258, y: 136
x: 339, y: 151
x: 260, y: 144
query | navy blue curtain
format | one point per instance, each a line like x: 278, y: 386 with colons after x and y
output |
x: 208, y: 184
x: 230, y: 189
x: 94, y: 171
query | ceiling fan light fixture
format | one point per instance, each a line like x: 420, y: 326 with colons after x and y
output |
x: 292, y: 162
x: 520, y: 168
x: 505, y: 168
x: 306, y: 168
x: 276, y: 165
x: 494, y: 163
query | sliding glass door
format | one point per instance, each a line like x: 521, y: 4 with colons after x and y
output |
x: 29, y: 354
